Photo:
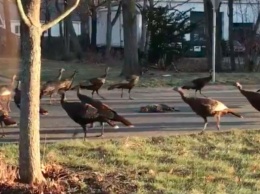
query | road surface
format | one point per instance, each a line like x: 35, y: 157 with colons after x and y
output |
x: 58, y: 126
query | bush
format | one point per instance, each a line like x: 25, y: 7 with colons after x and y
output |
x: 168, y: 27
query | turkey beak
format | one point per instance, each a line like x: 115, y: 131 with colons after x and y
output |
x: 175, y: 89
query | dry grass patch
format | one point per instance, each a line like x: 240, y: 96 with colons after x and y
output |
x: 211, y: 163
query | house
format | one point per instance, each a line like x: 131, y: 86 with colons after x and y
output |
x: 245, y: 15
x: 117, y: 39
x: 55, y: 32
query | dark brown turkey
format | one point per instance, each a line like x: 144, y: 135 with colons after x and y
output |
x: 132, y: 81
x: 17, y: 99
x: 206, y: 107
x: 6, y: 120
x: 198, y: 84
x: 6, y: 94
x: 96, y: 83
x: 84, y: 114
x: 252, y: 97
x: 102, y: 108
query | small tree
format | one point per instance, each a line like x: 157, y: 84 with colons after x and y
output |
x: 167, y: 27
x: 31, y: 30
x: 110, y: 24
x: 131, y: 65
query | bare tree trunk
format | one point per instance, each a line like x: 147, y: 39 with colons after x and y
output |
x: 110, y: 24
x: 29, y: 157
x: 29, y: 142
x: 148, y: 34
x: 66, y: 32
x: 131, y: 65
x: 231, y: 35
x: 144, y: 27
x: 251, y: 49
x: 74, y: 39
x: 84, y: 20
x: 218, y: 59
x: 109, y: 29
x: 47, y: 19
x: 60, y: 23
x: 208, y: 24
x: 94, y: 27
x: 9, y: 42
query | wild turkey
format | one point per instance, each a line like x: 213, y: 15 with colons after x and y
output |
x: 66, y: 84
x: 198, y: 84
x: 206, y: 107
x: 58, y: 78
x: 252, y: 97
x: 132, y: 81
x: 102, y: 108
x: 96, y: 83
x: 53, y: 87
x: 6, y: 94
x: 83, y: 114
x: 17, y: 99
x: 49, y: 87
x: 6, y: 120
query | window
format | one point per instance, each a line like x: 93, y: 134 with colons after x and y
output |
x: 198, y: 35
x: 17, y: 29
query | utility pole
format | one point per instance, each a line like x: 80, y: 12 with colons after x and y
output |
x: 215, y: 5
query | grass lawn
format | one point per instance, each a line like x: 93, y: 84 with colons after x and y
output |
x: 225, y: 162
x: 153, y: 78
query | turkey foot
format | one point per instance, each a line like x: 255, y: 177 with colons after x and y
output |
x: 74, y: 134
x: 100, y: 135
x: 202, y: 132
x: 3, y: 135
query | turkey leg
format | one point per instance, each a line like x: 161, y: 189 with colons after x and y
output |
x: 218, y: 122
x: 205, y: 125
x: 122, y: 93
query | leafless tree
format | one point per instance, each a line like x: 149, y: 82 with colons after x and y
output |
x: 31, y: 31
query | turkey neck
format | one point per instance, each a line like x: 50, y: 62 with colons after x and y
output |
x: 184, y: 98
x: 241, y: 90
x: 73, y: 76
x: 60, y: 75
x: 18, y: 85
x: 106, y: 72
x: 78, y: 91
x: 12, y: 82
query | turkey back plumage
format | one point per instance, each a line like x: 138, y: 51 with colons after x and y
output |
x: 252, y: 97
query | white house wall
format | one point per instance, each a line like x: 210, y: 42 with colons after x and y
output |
x: 117, y: 31
x: 54, y: 30
x: 244, y: 12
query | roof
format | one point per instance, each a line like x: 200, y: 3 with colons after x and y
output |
x: 14, y: 14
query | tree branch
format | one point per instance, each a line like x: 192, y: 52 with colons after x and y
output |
x: 61, y: 17
x: 117, y: 13
x: 24, y: 17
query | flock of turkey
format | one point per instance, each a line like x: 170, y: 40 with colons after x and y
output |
x: 88, y: 110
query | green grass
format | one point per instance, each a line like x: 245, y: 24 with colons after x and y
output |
x: 211, y: 163
x: 153, y: 78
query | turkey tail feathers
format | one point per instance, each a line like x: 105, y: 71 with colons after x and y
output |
x: 234, y: 113
x: 113, y: 86
x: 123, y: 120
x: 186, y: 87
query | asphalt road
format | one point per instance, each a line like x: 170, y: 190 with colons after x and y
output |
x: 58, y: 126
